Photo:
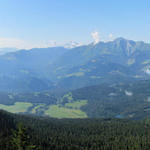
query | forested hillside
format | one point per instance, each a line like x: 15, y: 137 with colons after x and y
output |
x: 70, y: 134
x: 124, y: 100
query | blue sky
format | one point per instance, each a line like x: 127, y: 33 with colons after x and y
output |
x: 38, y: 23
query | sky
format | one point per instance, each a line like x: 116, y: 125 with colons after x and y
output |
x: 44, y: 23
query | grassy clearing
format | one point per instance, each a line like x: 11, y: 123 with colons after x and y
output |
x: 57, y: 111
x: 95, y: 77
x: 18, y: 107
x: 146, y: 62
x: 76, y: 104
x: 77, y: 74
x: 36, y: 93
x: 131, y: 61
x: 24, y: 71
x: 10, y: 96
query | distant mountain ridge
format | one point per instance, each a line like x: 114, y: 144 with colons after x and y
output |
x: 119, y: 59
x: 7, y: 50
x: 19, y: 69
x: 61, y: 68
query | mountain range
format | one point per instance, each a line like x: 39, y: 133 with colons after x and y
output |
x: 107, y: 79
x: 67, y: 69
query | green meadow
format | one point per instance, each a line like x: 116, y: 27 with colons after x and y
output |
x: 57, y: 111
x: 68, y: 110
x: 18, y: 107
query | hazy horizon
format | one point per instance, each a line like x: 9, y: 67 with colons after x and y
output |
x: 28, y: 23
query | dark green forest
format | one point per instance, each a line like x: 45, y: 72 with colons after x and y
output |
x: 42, y: 133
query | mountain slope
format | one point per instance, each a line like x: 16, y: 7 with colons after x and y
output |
x: 120, y: 60
x: 26, y: 70
x: 61, y: 69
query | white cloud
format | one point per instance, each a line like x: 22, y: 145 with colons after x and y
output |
x: 128, y: 93
x: 95, y: 36
x: 148, y: 99
x: 112, y: 94
x: 45, y: 44
x: 13, y: 43
x: 147, y: 71
x: 22, y: 44
x: 72, y: 44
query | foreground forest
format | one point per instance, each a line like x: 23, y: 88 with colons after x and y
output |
x: 72, y: 134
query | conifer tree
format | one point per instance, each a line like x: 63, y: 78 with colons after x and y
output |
x: 21, y: 139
